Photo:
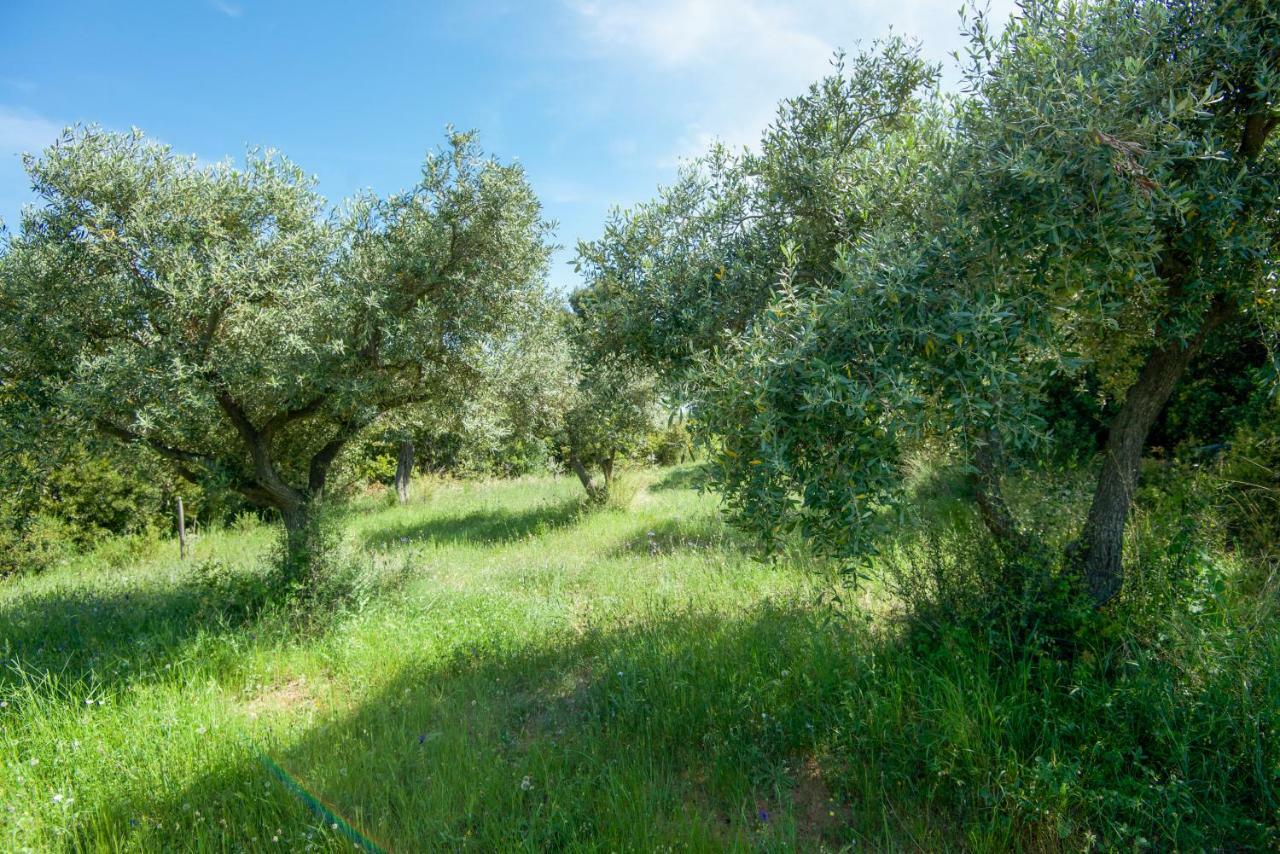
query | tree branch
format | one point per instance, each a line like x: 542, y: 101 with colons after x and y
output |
x: 288, y: 416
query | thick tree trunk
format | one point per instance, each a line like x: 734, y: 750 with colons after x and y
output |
x: 595, y: 491
x: 297, y: 550
x: 1099, y: 552
x: 404, y: 468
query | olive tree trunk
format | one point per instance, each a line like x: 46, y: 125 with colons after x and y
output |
x: 1099, y: 552
x: 297, y: 534
x: 993, y: 510
x: 404, y: 469
x: 596, y: 492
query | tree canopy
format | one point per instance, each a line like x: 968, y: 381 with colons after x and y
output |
x: 684, y: 273
x: 1105, y: 197
x: 223, y: 318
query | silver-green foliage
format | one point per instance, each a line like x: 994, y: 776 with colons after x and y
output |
x: 1104, y: 196
x: 222, y: 317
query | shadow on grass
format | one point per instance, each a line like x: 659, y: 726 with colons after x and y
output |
x: 674, y: 536
x: 479, y: 526
x: 107, y: 638
x: 638, y: 738
x: 692, y: 476
x: 771, y: 728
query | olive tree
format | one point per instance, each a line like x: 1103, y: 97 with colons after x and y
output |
x: 1105, y: 198
x: 682, y: 274
x: 223, y: 318
x: 607, y: 412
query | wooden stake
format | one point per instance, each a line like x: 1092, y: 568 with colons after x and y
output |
x: 182, y: 531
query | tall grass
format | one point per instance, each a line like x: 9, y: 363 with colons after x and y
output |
x: 502, y: 671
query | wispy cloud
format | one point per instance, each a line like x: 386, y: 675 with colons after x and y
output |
x: 726, y: 63
x: 231, y: 10
x: 693, y: 33
x: 23, y: 131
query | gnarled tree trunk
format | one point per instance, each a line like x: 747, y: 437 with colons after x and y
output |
x: 297, y: 530
x: 606, y: 468
x: 1098, y: 553
x: 596, y: 492
x: 404, y: 468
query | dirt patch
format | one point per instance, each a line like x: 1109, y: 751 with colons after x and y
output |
x: 292, y: 696
x: 817, y: 814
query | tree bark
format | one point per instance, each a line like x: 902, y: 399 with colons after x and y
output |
x: 1098, y: 553
x: 404, y: 468
x: 594, y: 491
x: 992, y: 508
x: 297, y: 555
x: 182, y: 530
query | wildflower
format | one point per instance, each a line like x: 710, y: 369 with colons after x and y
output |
x: 34, y: 762
x: 334, y: 825
x: 763, y: 815
x: 526, y: 784
x: 89, y: 702
x: 201, y: 730
x: 422, y: 739
x: 4, y: 704
x: 57, y: 797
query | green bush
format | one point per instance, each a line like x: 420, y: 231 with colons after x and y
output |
x: 667, y: 447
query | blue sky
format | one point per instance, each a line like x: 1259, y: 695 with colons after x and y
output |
x: 599, y: 100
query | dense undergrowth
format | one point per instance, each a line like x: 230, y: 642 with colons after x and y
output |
x: 490, y: 667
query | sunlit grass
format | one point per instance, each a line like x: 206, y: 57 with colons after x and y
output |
x: 520, y: 675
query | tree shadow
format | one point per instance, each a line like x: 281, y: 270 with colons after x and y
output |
x: 692, y: 476
x: 480, y: 526
x: 573, y: 744
x: 115, y: 636
x: 673, y: 536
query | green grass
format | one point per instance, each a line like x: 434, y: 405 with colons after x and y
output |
x: 508, y: 673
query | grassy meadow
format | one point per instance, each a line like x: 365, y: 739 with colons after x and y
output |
x: 501, y: 670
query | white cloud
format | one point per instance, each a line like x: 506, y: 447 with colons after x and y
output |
x: 725, y: 64
x: 693, y: 33
x: 24, y: 131
x: 231, y: 10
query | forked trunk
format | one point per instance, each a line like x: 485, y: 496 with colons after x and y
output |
x: 1098, y: 553
x: 404, y: 468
